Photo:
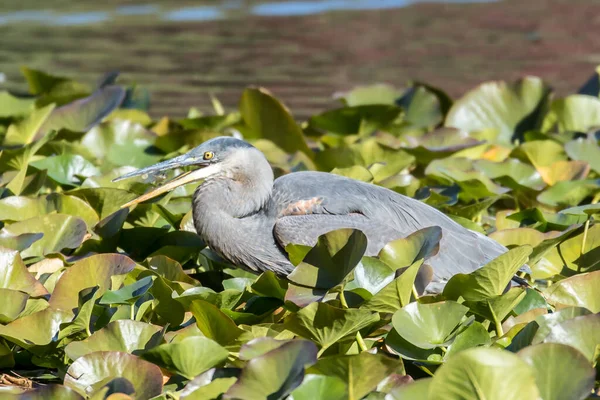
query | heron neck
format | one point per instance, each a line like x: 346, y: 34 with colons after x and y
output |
x: 233, y: 222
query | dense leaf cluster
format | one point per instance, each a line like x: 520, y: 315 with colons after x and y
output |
x: 96, y: 300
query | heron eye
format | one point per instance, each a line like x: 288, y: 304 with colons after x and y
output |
x: 209, y: 155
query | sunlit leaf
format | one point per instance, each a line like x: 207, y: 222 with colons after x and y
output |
x: 89, y: 373
x: 483, y: 373
x: 560, y: 371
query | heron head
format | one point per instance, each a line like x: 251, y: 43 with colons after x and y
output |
x: 221, y: 156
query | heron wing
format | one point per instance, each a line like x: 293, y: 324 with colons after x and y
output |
x: 310, y: 204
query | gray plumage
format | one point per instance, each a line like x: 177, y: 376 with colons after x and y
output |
x: 248, y: 218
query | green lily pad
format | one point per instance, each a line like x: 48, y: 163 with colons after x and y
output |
x: 576, y: 113
x: 13, y: 303
x: 440, y: 143
x: 326, y: 265
x: 490, y: 280
x: 509, y: 109
x: 121, y: 142
x: 547, y: 322
x: 403, y: 252
x: 82, y: 114
x: 483, y: 373
x: 429, y: 325
x: 121, y: 335
x: 395, y: 294
x: 418, y: 389
x: 582, y: 332
x: 91, y: 372
x: 12, y: 106
x: 355, y: 120
x: 371, y: 94
x: 213, y: 323
x: 15, y: 276
x: 474, y: 336
x: 561, y: 372
x: 320, y: 387
x: 60, y: 231
x: 585, y: 150
x: 189, y: 357
x: 276, y: 373
x: 91, y: 271
x: 55, y: 392
x: 24, y: 132
x: 67, y: 169
x: 37, y: 329
x: 578, y: 291
x: 569, y: 193
x: 210, y: 385
x: 266, y: 117
x: 325, y: 324
x: 361, y: 372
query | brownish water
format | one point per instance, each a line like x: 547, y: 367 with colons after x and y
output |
x: 303, y: 59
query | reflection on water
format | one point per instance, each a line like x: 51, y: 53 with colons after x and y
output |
x: 212, y: 12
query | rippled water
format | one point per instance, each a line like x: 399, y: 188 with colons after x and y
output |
x: 225, y: 9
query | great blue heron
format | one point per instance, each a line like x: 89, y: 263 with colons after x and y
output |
x: 248, y: 218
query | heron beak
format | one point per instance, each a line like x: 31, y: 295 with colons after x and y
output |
x: 180, y: 180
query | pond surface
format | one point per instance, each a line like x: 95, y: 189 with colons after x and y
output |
x: 223, y: 10
x: 303, y: 51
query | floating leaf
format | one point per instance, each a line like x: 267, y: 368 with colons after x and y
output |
x: 395, y: 294
x: 121, y: 335
x: 189, y: 357
x: 582, y: 332
x: 13, y: 303
x: 361, y: 372
x: 509, y: 109
x: 429, y: 325
x: 213, y: 323
x: 89, y: 373
x: 67, y: 169
x: 482, y: 373
x: 327, y: 264
x: 560, y: 371
x: 576, y: 113
x: 268, y: 118
x: 491, y: 279
x: 88, y: 272
x: 38, y: 329
x: 326, y: 324
x: 320, y: 387
x: 275, y: 374
x: 579, y: 290
x: 15, y: 276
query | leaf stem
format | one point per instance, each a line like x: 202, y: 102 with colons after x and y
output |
x: 343, y: 298
x: 361, y: 343
x: 414, y: 292
x: 132, y: 313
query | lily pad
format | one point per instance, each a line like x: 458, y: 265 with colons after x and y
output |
x: 429, y: 325
x: 577, y: 291
x: 89, y: 373
x: 189, y: 357
x: 89, y: 272
x: 325, y: 324
x: 361, y: 372
x: 561, y: 372
x: 121, y: 335
x: 483, y: 373
x: 60, y: 232
x: 509, y: 109
x: 275, y: 374
x: 491, y: 279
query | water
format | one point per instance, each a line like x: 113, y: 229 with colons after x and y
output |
x: 224, y: 10
x: 303, y: 51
